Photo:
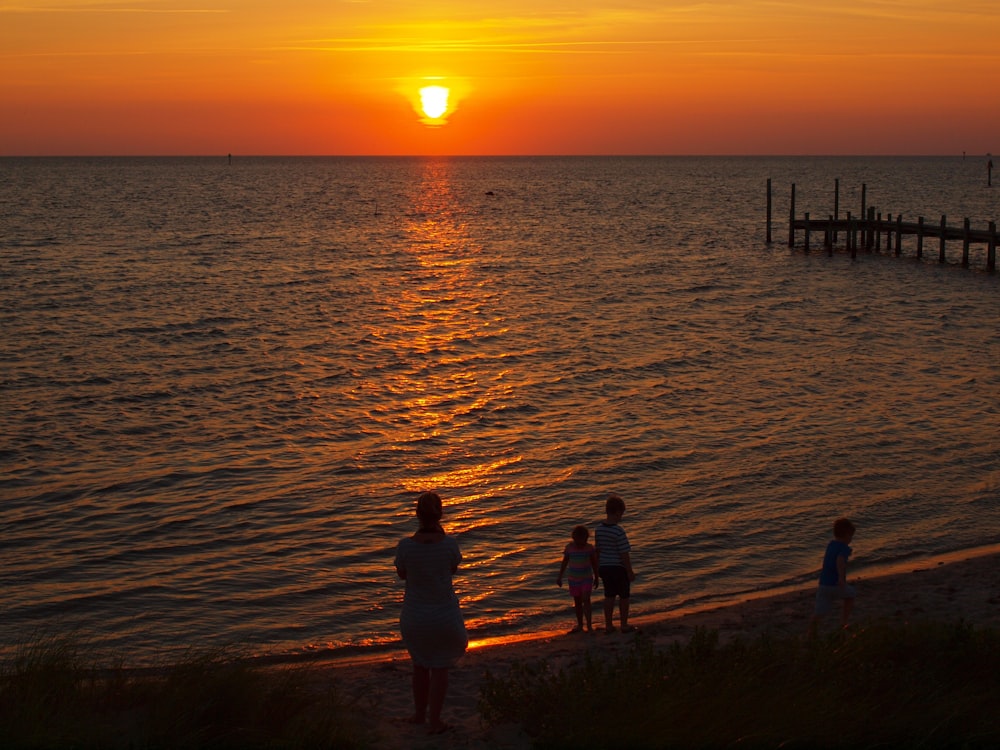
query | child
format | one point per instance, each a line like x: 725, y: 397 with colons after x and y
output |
x: 615, y: 564
x: 581, y: 559
x: 833, y: 576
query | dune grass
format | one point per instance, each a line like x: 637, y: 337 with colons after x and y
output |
x: 881, y: 686
x: 50, y: 697
x: 878, y: 686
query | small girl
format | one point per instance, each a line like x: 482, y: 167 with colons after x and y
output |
x: 581, y: 559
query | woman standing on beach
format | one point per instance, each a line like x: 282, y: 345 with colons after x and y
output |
x: 431, y: 621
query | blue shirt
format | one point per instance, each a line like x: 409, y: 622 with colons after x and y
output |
x: 829, y: 575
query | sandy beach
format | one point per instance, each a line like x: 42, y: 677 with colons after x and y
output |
x: 943, y: 589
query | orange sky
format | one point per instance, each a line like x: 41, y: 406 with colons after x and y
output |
x: 528, y: 76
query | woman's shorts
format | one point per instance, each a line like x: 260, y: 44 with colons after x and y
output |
x: 616, y: 581
x: 826, y: 596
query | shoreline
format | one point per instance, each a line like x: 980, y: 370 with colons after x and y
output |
x: 948, y: 588
x: 348, y: 655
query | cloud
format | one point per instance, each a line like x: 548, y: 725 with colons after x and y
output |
x: 87, y: 7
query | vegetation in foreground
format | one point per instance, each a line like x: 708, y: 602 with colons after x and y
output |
x: 925, y: 685
x: 50, y: 698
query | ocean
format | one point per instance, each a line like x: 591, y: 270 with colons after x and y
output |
x: 224, y: 384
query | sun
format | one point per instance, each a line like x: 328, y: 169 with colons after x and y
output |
x: 434, y: 101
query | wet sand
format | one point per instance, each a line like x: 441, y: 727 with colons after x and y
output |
x: 942, y: 589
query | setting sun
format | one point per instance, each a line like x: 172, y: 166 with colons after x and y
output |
x: 434, y: 101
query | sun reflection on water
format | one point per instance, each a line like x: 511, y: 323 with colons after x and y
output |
x: 442, y: 332
x: 447, y: 375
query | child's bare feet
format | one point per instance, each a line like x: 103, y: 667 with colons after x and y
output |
x: 438, y: 727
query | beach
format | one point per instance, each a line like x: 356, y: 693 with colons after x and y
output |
x: 944, y: 589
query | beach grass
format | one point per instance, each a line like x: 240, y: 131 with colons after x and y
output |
x: 879, y: 685
x: 51, y: 697
x: 885, y: 686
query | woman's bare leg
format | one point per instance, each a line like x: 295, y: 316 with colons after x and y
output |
x: 421, y: 693
x: 438, y: 690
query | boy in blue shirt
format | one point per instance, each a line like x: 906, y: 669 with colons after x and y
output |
x: 833, y: 585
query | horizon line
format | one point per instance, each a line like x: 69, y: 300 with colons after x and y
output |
x: 226, y: 155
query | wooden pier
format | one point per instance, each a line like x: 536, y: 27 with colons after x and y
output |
x: 868, y: 230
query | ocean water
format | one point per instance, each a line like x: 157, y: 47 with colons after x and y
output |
x: 224, y: 385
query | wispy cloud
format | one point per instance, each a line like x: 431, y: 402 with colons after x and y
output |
x: 102, y: 8
x: 479, y: 45
x: 915, y: 11
x: 594, y: 30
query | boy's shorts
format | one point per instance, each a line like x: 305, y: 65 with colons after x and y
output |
x: 827, y: 595
x: 616, y: 581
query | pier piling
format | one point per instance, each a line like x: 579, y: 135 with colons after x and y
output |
x: 791, y: 219
x: 768, y: 210
x: 836, y: 205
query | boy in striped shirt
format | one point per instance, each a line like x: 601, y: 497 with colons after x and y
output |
x: 615, y: 564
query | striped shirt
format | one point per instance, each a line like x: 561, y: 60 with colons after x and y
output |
x: 612, y: 543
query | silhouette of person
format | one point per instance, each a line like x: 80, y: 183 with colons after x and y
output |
x: 431, y: 622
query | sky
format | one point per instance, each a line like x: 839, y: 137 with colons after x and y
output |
x: 342, y: 77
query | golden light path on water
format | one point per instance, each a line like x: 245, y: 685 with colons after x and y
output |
x: 441, y: 313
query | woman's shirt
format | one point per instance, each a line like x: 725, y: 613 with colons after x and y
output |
x: 428, y: 568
